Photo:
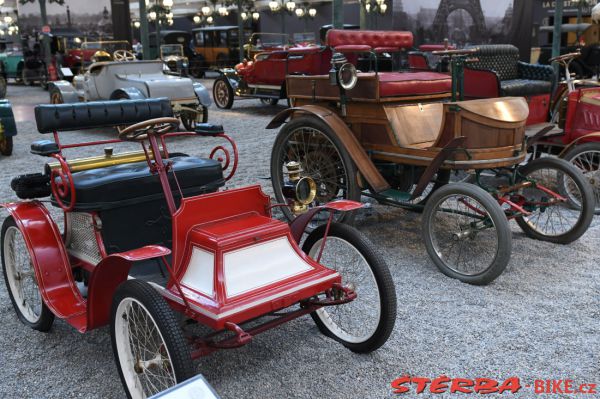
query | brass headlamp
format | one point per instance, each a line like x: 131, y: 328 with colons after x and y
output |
x: 300, y: 190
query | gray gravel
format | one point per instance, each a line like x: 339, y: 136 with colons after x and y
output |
x: 539, y: 320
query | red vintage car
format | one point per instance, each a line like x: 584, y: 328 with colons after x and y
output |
x: 563, y: 122
x: 149, y: 232
x: 263, y: 76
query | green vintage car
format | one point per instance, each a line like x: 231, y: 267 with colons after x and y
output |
x: 27, y: 69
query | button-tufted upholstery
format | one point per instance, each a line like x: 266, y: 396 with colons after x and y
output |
x: 498, y: 73
x: 369, y: 39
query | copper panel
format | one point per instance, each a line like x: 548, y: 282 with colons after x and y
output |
x: 505, y: 109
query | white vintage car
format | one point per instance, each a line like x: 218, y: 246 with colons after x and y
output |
x: 128, y: 78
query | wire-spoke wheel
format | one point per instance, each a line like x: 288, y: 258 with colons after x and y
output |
x: 366, y: 323
x: 222, y: 93
x: 322, y: 157
x: 149, y: 347
x: 586, y: 157
x: 20, y: 279
x: 466, y: 233
x: 554, y: 220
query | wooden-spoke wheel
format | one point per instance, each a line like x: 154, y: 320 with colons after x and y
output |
x: 223, y: 93
x: 321, y: 155
x: 6, y: 145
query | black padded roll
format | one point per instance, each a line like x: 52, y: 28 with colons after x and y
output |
x: 93, y: 114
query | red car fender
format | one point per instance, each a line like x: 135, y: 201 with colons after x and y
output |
x: 111, y: 272
x: 588, y: 137
x: 50, y: 259
x: 298, y: 225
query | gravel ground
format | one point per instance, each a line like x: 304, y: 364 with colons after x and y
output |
x: 539, y: 320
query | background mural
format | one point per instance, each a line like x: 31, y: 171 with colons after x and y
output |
x: 87, y: 18
x: 463, y: 22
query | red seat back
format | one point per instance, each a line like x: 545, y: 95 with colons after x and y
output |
x: 369, y: 38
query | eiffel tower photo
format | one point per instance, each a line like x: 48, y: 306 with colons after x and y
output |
x: 446, y: 7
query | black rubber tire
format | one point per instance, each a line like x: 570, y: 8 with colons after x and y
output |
x: 33, y: 185
x: 353, y: 191
x: 575, y: 151
x: 227, y: 102
x: 6, y: 146
x: 588, y: 207
x: 19, y: 74
x: 269, y: 101
x: 498, y: 217
x: 3, y: 87
x: 383, y: 278
x: 190, y: 123
x: 166, y: 322
x: 46, y: 317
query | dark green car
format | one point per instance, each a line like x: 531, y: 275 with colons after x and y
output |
x: 24, y: 67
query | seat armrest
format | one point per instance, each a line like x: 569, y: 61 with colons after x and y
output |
x: 535, y: 71
x: 44, y: 148
x: 481, y: 83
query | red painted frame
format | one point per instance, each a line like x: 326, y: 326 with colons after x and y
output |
x: 198, y: 221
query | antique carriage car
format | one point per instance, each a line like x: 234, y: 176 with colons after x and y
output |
x: 397, y: 136
x: 147, y: 232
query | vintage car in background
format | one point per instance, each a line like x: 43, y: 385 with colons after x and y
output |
x: 8, y: 127
x: 175, y: 38
x: 562, y: 122
x: 77, y: 59
x: 65, y: 44
x: 263, y: 77
x: 266, y: 42
x: 583, y: 38
x: 174, y: 58
x: 128, y: 78
x: 216, y: 47
x: 22, y: 65
x: 398, y: 137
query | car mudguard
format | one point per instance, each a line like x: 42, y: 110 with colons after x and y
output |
x: 111, y: 272
x: 202, y: 94
x: 232, y: 77
x: 342, y: 131
x: 129, y: 93
x: 50, y: 261
x: 66, y: 89
x: 298, y: 225
x: 595, y: 136
x: 7, y: 119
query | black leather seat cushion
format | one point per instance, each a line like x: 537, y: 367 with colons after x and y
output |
x: 524, y: 87
x: 131, y: 183
x: 93, y: 114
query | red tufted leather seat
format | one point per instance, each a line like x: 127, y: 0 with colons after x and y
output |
x: 367, y: 40
x: 397, y: 84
